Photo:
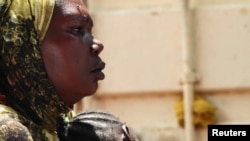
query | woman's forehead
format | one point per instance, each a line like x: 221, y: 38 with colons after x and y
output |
x: 67, y: 10
x: 70, y: 7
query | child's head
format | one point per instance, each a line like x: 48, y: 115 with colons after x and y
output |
x: 94, y: 126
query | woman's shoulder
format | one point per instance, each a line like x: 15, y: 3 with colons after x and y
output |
x: 10, y: 126
x: 11, y: 129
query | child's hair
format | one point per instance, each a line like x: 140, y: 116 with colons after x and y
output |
x: 94, y: 126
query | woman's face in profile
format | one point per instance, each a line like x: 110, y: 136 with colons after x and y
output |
x: 70, y: 52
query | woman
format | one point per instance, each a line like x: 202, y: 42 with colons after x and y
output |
x: 94, y: 125
x: 48, y: 61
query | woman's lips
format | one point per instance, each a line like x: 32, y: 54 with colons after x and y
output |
x: 97, y: 70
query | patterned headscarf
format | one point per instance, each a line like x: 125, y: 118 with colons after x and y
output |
x: 23, y: 79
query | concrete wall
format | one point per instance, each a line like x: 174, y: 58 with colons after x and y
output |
x: 143, y: 50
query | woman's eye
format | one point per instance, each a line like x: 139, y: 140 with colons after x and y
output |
x: 78, y: 31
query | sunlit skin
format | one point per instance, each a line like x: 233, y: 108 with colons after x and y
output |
x: 71, y: 53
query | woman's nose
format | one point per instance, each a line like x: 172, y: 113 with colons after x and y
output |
x: 96, y: 47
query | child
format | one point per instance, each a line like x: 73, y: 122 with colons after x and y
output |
x: 94, y: 126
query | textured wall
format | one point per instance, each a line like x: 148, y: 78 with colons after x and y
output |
x: 143, y: 50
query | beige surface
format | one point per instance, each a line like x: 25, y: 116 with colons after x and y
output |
x: 143, y: 42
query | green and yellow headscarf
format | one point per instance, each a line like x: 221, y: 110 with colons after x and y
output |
x: 23, y: 79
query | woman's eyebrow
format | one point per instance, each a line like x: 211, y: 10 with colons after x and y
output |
x: 81, y: 18
x: 86, y: 19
